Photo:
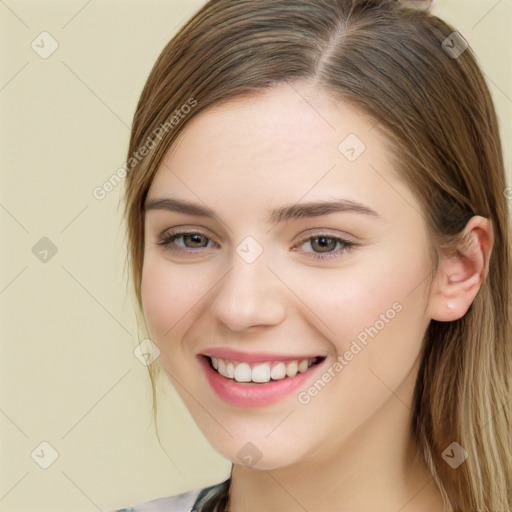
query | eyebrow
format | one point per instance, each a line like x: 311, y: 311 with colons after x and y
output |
x: 276, y: 215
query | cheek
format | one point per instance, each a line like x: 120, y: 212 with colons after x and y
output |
x: 169, y: 294
x: 379, y: 302
x: 378, y: 328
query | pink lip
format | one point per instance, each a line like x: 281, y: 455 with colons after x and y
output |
x: 258, y: 357
x: 242, y: 394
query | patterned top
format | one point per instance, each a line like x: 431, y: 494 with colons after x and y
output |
x: 209, y: 499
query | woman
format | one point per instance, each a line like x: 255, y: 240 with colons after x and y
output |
x: 320, y: 246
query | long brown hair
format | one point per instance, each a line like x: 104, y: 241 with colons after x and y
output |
x: 433, y: 106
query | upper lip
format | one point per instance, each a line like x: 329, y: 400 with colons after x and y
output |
x: 255, y: 357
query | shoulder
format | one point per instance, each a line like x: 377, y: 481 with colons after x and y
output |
x: 179, y: 503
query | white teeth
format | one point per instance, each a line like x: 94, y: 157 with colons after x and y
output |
x: 278, y: 372
x: 291, y: 369
x: 222, y: 367
x: 261, y: 372
x: 243, y: 372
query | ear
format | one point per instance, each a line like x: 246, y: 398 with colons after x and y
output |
x: 460, y: 276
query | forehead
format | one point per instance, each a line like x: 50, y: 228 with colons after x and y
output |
x: 289, y: 143
x: 287, y: 121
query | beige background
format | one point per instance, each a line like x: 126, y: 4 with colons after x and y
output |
x: 68, y: 374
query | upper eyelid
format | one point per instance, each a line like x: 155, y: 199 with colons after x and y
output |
x: 316, y: 232
x: 184, y: 231
x: 179, y: 230
x: 310, y: 234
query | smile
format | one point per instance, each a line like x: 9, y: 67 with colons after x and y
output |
x: 243, y: 380
x: 260, y: 372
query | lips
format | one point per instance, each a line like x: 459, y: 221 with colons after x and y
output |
x: 255, y: 380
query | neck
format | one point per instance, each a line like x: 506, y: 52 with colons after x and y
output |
x: 376, y: 468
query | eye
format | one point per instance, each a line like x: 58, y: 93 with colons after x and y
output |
x: 325, y: 245
x: 191, y: 241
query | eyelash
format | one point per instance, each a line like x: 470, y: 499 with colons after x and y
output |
x: 167, y: 241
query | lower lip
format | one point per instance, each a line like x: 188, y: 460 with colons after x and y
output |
x: 250, y: 394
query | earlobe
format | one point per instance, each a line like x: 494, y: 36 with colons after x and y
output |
x: 460, y: 276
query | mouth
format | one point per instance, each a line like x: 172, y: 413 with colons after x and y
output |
x: 260, y: 381
x: 261, y: 372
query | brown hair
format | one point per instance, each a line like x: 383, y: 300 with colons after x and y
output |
x: 435, y: 109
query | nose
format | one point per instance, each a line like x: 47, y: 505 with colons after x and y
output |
x: 249, y: 295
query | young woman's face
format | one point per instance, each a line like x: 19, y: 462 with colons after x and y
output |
x: 307, y: 274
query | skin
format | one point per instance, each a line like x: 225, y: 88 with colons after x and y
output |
x: 348, y: 448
